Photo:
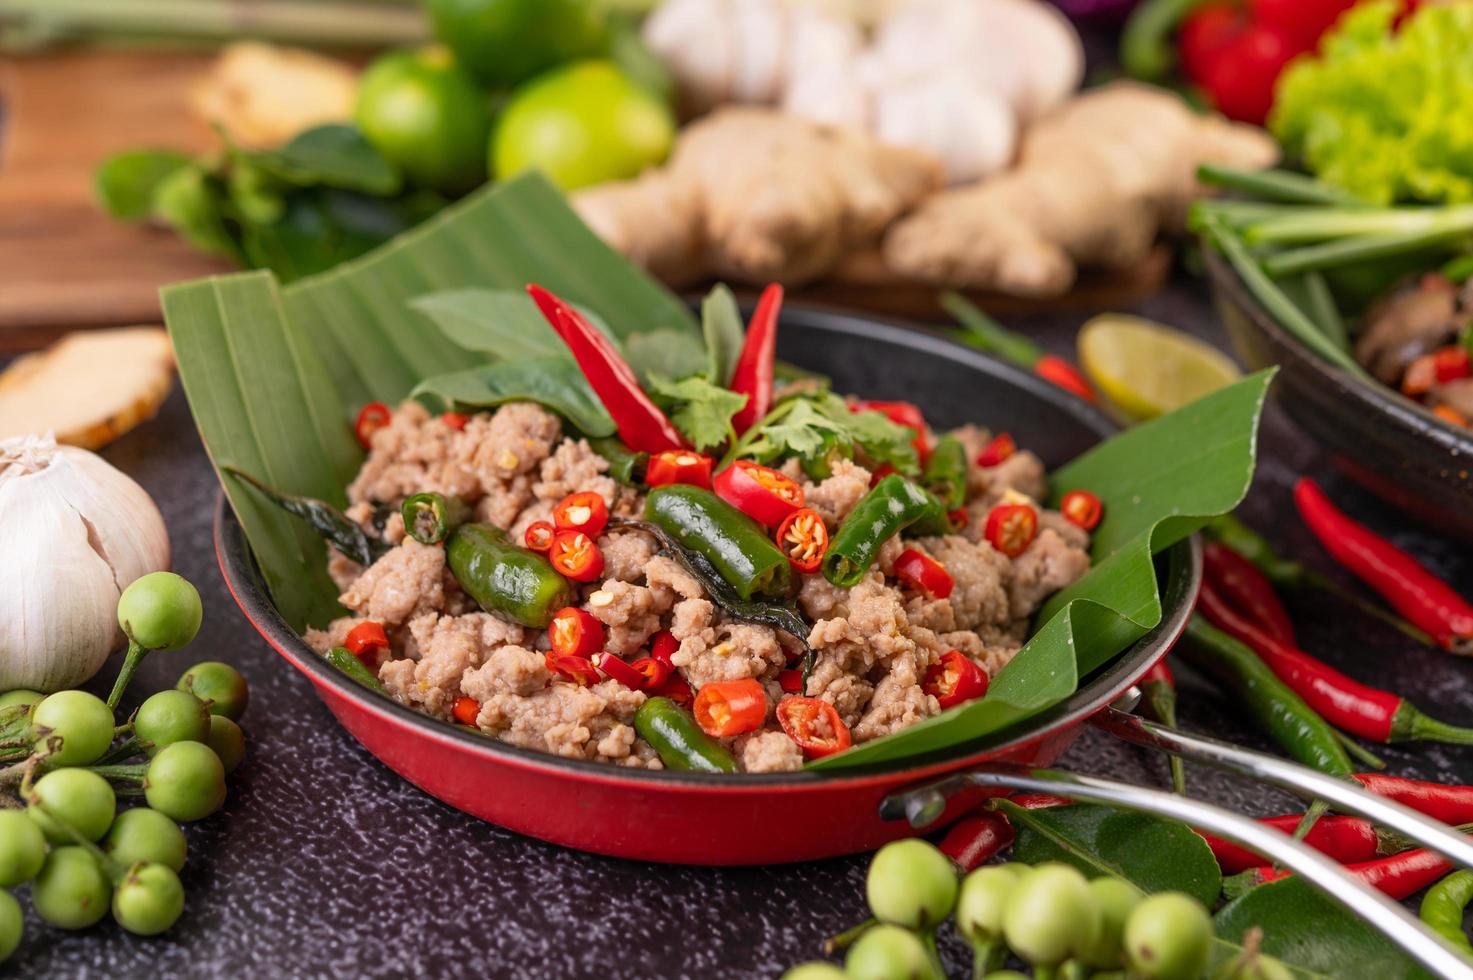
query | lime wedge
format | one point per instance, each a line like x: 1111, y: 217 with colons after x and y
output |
x: 1145, y: 369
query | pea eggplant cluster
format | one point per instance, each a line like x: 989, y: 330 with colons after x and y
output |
x: 63, y: 833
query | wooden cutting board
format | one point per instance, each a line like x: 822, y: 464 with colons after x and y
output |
x: 64, y: 264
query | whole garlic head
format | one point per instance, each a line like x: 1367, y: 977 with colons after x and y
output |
x: 76, y: 532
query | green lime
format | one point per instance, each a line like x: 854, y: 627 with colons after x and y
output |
x: 426, y: 116
x: 1146, y: 369
x: 502, y: 42
x: 581, y: 125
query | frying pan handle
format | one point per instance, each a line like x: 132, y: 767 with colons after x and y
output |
x: 1301, y: 780
x: 1389, y: 918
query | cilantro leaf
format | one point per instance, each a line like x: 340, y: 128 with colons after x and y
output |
x: 813, y: 427
x: 700, y: 410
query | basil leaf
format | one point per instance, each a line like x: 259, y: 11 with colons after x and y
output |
x: 502, y: 322
x: 319, y: 228
x: 721, y: 323
x: 667, y: 352
x: 335, y: 527
x: 125, y: 182
x: 333, y: 155
x: 192, y: 202
x: 553, y: 382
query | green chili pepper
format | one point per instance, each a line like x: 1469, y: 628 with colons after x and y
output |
x: 892, y: 505
x: 625, y: 465
x: 945, y: 474
x: 512, y: 582
x: 678, y: 740
x: 935, y: 521
x: 336, y: 528
x: 732, y: 542
x: 1277, y: 709
x: 1443, y: 905
x: 430, y: 517
x: 340, y: 658
x: 1145, y: 44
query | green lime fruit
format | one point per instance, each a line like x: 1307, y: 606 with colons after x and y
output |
x: 426, y: 116
x: 583, y: 124
x: 503, y: 42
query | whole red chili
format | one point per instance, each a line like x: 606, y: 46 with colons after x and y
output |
x: 901, y: 413
x: 760, y: 492
x: 1342, y: 701
x: 955, y: 679
x: 814, y: 725
x: 663, y: 646
x: 1011, y: 528
x: 1411, y: 589
x: 641, y: 424
x: 465, y: 710
x: 1346, y: 839
x: 804, y: 538
x: 371, y: 418
x: 538, y: 536
x: 924, y: 574
x: 579, y: 670
x: 583, y: 511
x: 1397, y: 876
x: 1082, y: 509
x: 575, y: 632
x: 752, y: 375
x: 679, y: 466
x: 366, y: 638
x: 620, y: 671
x: 791, y: 681
x: 655, y: 673
x: 456, y: 420
x: 1000, y: 448
x: 576, y: 557
x: 1065, y: 375
x: 974, y: 840
x: 1452, y: 804
x: 1247, y: 589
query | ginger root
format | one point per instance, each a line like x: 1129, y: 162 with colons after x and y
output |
x: 1095, y: 184
x: 263, y: 95
x: 759, y: 196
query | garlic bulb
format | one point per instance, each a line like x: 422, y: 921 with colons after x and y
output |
x: 76, y: 532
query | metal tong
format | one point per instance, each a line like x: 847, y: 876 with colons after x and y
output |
x: 924, y: 804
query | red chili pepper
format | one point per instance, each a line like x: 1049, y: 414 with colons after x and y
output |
x: 583, y: 511
x: 538, y: 536
x: 1038, y: 801
x: 1000, y: 448
x: 924, y: 574
x: 677, y: 690
x: 812, y: 723
x: 1453, y: 364
x: 1452, y: 804
x: 752, y: 375
x: 901, y: 413
x: 576, y: 557
x: 959, y: 519
x: 1344, y: 702
x: 974, y: 840
x: 620, y: 671
x: 1082, y: 509
x: 641, y: 424
x: 881, y: 471
x: 1065, y: 375
x: 365, y: 638
x: 1346, y: 839
x: 579, y: 670
x: 1247, y: 589
x: 955, y: 679
x: 760, y: 492
x: 679, y: 466
x: 804, y: 538
x: 655, y: 673
x: 574, y: 632
x: 725, y: 708
x: 1397, y: 876
x: 791, y: 681
x: 371, y: 418
x: 1011, y: 528
x: 1420, y: 376
x: 1449, y: 414
x: 663, y: 646
x: 1411, y: 589
x: 456, y: 420
x: 465, y: 710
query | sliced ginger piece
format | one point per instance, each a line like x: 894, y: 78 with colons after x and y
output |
x: 262, y: 94
x: 88, y: 388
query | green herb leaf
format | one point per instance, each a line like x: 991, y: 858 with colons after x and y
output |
x: 699, y: 409
x: 664, y: 353
x: 321, y: 228
x: 504, y: 323
x: 554, y: 382
x: 332, y: 155
x: 802, y: 431
x: 125, y: 182
x: 811, y: 425
x: 721, y: 323
x: 192, y: 202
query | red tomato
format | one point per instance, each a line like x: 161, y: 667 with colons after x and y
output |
x: 955, y: 679
x: 814, y: 724
x: 679, y: 466
x: 760, y: 492
x: 1241, y: 80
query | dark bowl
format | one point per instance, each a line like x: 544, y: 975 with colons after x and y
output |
x: 746, y: 819
x: 1386, y: 442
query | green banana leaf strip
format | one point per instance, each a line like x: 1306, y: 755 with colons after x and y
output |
x: 553, y: 381
x: 503, y: 324
x: 1159, y: 482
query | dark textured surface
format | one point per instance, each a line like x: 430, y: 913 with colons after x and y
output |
x: 323, y: 863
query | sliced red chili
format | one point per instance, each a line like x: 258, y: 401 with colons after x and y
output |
x: 575, y: 632
x: 365, y: 638
x: 1065, y: 375
x: 725, y: 708
x: 1000, y: 448
x: 760, y: 492
x: 655, y: 673
x: 574, y: 554
x: 1452, y: 364
x: 959, y: 519
x: 804, y: 538
x: 539, y: 535
x: 1419, y: 377
x: 677, y: 690
x: 663, y: 646
x: 465, y: 710
x: 881, y: 471
x: 901, y: 413
x: 620, y: 671
x: 924, y: 574
x: 1011, y: 528
x: 456, y: 420
x: 1449, y: 414
x: 583, y: 511
x: 791, y: 681
x: 679, y: 466
x: 955, y: 679
x: 1082, y: 508
x: 814, y: 725
x: 371, y: 418
x: 579, y: 670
